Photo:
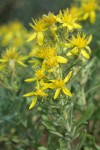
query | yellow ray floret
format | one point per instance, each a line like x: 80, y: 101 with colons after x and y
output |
x: 39, y: 75
x: 59, y: 85
x: 38, y: 93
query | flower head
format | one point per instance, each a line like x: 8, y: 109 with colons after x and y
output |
x: 10, y: 57
x: 68, y: 20
x: 79, y: 44
x: 59, y: 85
x: 39, y: 75
x: 54, y: 61
x: 76, y: 12
x: 39, y: 28
x: 38, y: 93
x: 43, y: 52
x: 89, y: 8
x: 50, y: 19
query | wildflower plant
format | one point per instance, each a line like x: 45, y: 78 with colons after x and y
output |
x: 50, y: 81
x: 60, y: 51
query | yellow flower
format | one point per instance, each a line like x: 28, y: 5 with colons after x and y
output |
x: 43, y: 52
x: 79, y: 45
x: 39, y: 28
x: 68, y: 20
x: 50, y: 19
x: 39, y: 75
x: 76, y: 12
x: 54, y: 60
x: 59, y: 85
x: 89, y: 7
x: 11, y: 57
x: 49, y: 56
x: 38, y: 93
x: 13, y: 34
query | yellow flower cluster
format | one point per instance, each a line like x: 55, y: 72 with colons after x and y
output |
x: 13, y: 34
x: 54, y: 44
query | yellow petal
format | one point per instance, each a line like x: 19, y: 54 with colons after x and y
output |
x: 40, y: 38
x: 67, y: 92
x: 61, y: 59
x: 68, y: 45
x: 68, y: 77
x: 92, y: 17
x: 89, y: 39
x: 88, y: 48
x: 29, y: 94
x: 77, y: 26
x: 70, y: 27
x: 33, y: 103
x: 21, y: 63
x: 48, y: 86
x: 85, y: 16
x: 69, y: 54
x: 74, y: 51
x: 33, y: 36
x: 30, y: 79
x: 85, y: 54
x: 37, y: 84
x: 23, y: 57
x: 3, y: 60
x: 57, y: 93
x: 2, y: 66
x: 51, y: 70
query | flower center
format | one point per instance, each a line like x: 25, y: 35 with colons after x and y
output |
x: 90, y: 6
x: 39, y: 74
x: 59, y: 83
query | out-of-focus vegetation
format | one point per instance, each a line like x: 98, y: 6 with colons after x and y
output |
x: 24, y: 10
x: 55, y: 48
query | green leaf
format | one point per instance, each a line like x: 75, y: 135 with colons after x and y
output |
x: 48, y: 125
x: 42, y: 148
x: 56, y: 133
x: 83, y: 138
x: 97, y: 147
x: 92, y: 139
x: 86, y: 115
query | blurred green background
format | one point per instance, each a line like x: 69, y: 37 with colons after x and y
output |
x: 24, y: 10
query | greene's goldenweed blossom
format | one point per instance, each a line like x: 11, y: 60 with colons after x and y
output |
x: 39, y: 28
x: 86, y: 10
x: 10, y: 57
x: 79, y: 45
x: 89, y: 10
x: 38, y: 93
x: 68, y: 20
